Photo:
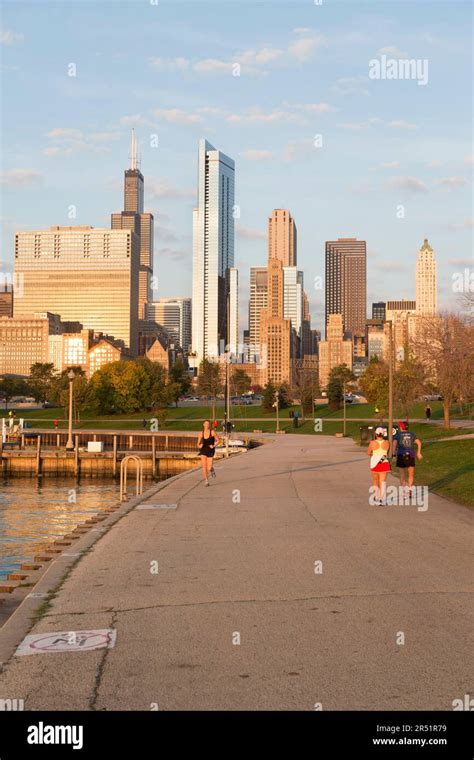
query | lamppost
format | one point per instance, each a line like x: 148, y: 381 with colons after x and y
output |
x: 390, y: 386
x: 276, y: 405
x: 70, y: 443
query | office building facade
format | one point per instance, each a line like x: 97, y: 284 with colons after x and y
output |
x: 174, y: 314
x: 426, y: 281
x: 346, y: 283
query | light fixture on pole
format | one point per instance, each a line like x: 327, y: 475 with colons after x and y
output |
x: 70, y: 443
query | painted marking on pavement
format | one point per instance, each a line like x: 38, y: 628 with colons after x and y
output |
x: 67, y: 641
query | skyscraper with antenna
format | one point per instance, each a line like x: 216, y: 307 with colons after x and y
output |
x: 133, y: 217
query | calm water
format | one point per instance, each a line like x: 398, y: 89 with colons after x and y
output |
x: 32, y: 513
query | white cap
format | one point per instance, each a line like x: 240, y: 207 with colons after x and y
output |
x: 379, y: 431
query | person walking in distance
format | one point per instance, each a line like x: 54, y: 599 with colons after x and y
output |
x: 207, y: 442
x: 428, y: 412
x: 379, y: 464
x: 404, y: 445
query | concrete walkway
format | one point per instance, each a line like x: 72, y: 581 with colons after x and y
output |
x: 236, y: 562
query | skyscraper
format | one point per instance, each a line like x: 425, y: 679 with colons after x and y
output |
x: 83, y: 274
x: 133, y: 217
x: 258, y: 301
x: 378, y: 310
x: 174, y: 314
x: 426, y: 281
x: 346, y: 283
x: 275, y: 330
x: 334, y: 350
x: 282, y: 239
x: 213, y: 252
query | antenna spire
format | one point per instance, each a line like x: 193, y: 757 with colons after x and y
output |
x: 133, y: 151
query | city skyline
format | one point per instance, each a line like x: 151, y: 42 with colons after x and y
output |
x: 382, y: 145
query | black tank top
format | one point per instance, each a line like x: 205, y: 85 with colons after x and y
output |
x: 206, y: 443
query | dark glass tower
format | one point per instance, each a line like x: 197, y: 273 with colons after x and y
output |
x: 133, y: 217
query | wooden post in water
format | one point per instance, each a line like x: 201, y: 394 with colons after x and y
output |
x: 130, y: 442
x: 115, y: 457
x: 38, y: 456
x: 58, y: 437
x: 76, y: 455
x: 153, y: 455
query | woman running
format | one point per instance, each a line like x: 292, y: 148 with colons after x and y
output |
x: 207, y: 442
x: 379, y: 464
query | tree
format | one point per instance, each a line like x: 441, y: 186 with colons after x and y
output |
x: 338, y: 377
x: 409, y: 382
x: 210, y: 381
x: 444, y: 344
x: 41, y: 380
x: 374, y: 385
x: 268, y: 396
x: 240, y: 382
x: 284, y: 396
x: 179, y: 378
x: 12, y: 386
x: 306, y: 387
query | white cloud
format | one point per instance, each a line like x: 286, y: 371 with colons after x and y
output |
x: 21, y: 178
x: 213, y: 66
x: 412, y: 184
x: 259, y: 57
x: 390, y: 165
x: 302, y: 30
x: 247, y: 233
x: 352, y: 85
x: 451, y: 183
x: 461, y: 262
x: 174, y: 254
x: 176, y: 116
x: 256, y: 114
x: 257, y: 155
x: 400, y: 124
x: 9, y: 38
x: 304, y: 49
x: 68, y: 141
x: 392, y: 51
x: 169, y: 64
x: 165, y: 189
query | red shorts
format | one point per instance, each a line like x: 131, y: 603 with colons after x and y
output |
x: 381, y: 467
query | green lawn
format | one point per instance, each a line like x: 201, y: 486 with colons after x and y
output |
x: 447, y: 469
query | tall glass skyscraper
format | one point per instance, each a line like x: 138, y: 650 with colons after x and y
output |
x: 213, y: 252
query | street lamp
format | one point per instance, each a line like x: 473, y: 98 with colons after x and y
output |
x: 276, y: 405
x: 70, y: 443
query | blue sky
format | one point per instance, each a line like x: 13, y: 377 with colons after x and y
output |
x: 167, y: 69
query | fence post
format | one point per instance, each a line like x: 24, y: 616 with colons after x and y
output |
x: 38, y: 455
x: 115, y: 456
x: 76, y: 456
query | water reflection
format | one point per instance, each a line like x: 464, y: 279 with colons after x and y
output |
x: 32, y: 513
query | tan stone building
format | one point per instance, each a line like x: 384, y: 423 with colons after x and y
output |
x: 25, y: 341
x: 398, y: 313
x: 282, y: 237
x: 83, y: 274
x: 275, y: 331
x: 426, y: 281
x: 334, y: 350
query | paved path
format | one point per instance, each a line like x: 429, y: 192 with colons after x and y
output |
x: 230, y: 568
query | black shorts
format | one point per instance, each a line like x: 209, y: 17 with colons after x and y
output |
x: 207, y: 453
x: 405, y: 460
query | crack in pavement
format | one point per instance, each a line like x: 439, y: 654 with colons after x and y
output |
x: 100, y: 669
x: 265, y: 601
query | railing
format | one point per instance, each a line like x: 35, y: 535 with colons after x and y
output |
x: 123, y: 441
x: 123, y: 475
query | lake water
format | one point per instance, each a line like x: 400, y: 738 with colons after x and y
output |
x: 32, y: 513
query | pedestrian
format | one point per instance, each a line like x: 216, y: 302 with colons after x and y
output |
x: 144, y: 424
x: 404, y: 449
x: 379, y: 464
x: 56, y: 424
x: 428, y: 412
x: 207, y: 442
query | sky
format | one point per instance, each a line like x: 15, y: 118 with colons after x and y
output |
x: 283, y: 87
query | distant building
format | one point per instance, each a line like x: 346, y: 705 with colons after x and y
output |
x: 426, y: 281
x: 213, y: 253
x: 398, y: 313
x: 83, y: 274
x: 282, y: 237
x: 376, y: 339
x: 378, y: 310
x: 25, y: 341
x: 334, y: 350
x: 174, y: 314
x: 135, y: 218
x: 346, y: 286
x: 6, y: 300
x: 258, y: 301
x: 275, y: 330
